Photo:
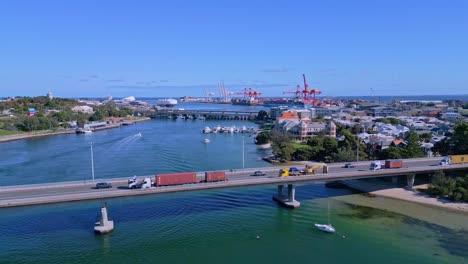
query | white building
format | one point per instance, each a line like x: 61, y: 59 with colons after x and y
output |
x: 83, y: 109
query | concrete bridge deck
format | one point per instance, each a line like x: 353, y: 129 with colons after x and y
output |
x: 76, y: 191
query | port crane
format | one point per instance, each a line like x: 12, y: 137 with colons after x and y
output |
x: 296, y: 93
x: 209, y: 94
x: 306, y: 95
x: 225, y: 93
x: 249, y: 93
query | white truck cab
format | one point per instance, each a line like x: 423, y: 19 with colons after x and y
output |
x: 375, y: 165
x: 445, y: 161
x: 134, y: 183
x: 146, y: 183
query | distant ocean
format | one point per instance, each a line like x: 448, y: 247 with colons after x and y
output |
x: 382, y: 99
x: 386, y: 98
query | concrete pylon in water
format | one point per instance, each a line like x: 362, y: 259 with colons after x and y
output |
x: 104, y: 225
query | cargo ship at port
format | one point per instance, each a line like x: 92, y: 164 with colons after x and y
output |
x: 284, y: 102
x: 250, y: 97
x: 166, y: 102
x: 244, y: 101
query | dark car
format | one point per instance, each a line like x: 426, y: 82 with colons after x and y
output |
x: 349, y: 165
x: 258, y: 173
x: 294, y: 169
x: 103, y: 185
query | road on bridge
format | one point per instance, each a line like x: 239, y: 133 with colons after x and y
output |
x: 75, y: 191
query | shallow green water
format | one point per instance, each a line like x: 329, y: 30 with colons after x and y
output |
x: 222, y: 226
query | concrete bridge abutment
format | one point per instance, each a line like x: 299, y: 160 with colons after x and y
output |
x: 287, y: 200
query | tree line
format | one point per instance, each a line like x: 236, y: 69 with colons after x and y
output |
x: 452, y: 188
x: 52, y: 114
x: 324, y: 148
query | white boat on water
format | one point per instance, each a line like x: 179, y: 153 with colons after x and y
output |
x: 166, y: 102
x: 84, y: 131
x: 206, y: 140
x: 326, y: 227
x: 217, y: 129
x: 206, y: 130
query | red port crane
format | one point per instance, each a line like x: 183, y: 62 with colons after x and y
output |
x: 249, y: 93
x: 306, y: 94
x: 296, y: 93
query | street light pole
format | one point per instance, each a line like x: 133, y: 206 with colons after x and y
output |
x: 92, y: 161
x: 243, y: 155
x: 357, y: 150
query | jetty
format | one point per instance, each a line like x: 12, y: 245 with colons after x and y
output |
x: 168, y: 113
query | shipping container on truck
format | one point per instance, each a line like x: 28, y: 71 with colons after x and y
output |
x: 393, y: 164
x: 458, y: 159
x: 214, y: 176
x: 175, y: 178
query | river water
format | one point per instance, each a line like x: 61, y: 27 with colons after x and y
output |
x: 213, y: 226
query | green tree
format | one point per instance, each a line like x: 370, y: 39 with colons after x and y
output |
x: 284, y: 150
x: 305, y: 153
x: 426, y: 137
x: 262, y: 138
x: 356, y: 129
x: 442, y: 147
x: 459, y: 140
x: 262, y: 115
x: 81, y: 120
x: 412, y: 149
x: 391, y: 153
x: 343, y: 155
x: 349, y: 141
x: 329, y: 146
x: 97, y: 116
x: 315, y: 142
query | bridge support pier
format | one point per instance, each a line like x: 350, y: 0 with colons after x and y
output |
x: 289, y: 199
x: 410, y: 181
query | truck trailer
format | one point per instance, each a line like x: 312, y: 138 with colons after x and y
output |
x: 389, y: 164
x: 175, y: 178
x: 393, y: 164
x: 215, y: 176
x: 454, y: 159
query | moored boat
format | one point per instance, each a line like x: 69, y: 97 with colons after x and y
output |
x: 166, y: 102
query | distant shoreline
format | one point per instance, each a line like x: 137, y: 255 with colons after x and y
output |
x: 47, y: 133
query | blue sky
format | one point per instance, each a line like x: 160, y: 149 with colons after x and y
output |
x: 176, y: 48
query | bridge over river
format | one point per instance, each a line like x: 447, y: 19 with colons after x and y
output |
x: 170, y: 113
x: 76, y: 191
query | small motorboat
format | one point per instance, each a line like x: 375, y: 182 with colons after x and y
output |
x: 325, y: 228
x: 206, y: 140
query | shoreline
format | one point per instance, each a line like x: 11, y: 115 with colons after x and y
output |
x: 46, y: 133
x: 403, y: 194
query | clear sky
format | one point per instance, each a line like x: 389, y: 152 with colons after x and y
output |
x: 176, y: 48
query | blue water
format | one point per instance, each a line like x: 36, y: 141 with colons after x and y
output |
x: 226, y: 226
x: 232, y: 225
x: 165, y: 146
